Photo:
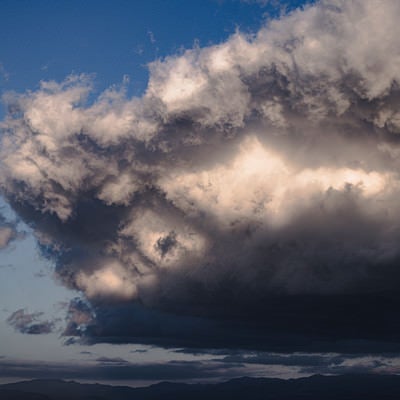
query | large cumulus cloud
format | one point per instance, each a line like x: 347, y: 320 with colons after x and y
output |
x: 255, y: 182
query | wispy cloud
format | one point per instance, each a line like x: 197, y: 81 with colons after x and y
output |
x: 4, y: 75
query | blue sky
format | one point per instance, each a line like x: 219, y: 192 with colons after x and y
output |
x: 49, y: 40
x: 136, y: 201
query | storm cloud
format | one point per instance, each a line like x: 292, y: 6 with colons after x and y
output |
x: 253, y: 186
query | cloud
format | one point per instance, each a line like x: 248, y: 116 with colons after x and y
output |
x: 8, y: 232
x: 108, y: 360
x: 278, y: 365
x: 139, y: 351
x: 79, y: 316
x: 30, y: 323
x: 174, y: 370
x: 251, y: 192
x: 152, y: 39
x: 294, y: 323
x: 319, y: 363
x: 314, y: 362
x: 4, y: 75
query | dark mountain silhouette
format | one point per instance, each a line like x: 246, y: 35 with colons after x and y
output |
x: 317, y: 387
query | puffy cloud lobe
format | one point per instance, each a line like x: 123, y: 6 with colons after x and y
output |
x: 263, y: 166
x: 8, y: 232
x: 6, y: 235
x: 79, y: 316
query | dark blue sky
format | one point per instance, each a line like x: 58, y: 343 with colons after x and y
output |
x: 45, y: 40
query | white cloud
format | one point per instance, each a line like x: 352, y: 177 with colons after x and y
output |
x: 6, y: 235
x: 288, y: 135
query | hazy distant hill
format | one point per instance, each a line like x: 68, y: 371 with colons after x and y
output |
x: 346, y: 387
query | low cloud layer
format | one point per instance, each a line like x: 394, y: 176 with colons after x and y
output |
x: 254, y: 185
x: 222, y: 369
x: 100, y: 371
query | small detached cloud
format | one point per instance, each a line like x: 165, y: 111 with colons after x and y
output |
x: 30, y: 323
x: 111, y: 360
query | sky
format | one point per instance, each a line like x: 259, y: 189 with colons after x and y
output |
x: 196, y: 191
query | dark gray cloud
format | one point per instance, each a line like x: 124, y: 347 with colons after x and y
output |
x: 112, y: 360
x: 174, y: 370
x: 30, y: 323
x: 306, y: 360
x: 282, y: 365
x: 313, y: 362
x: 293, y: 324
x: 249, y: 198
x: 319, y: 363
x: 139, y: 351
x: 10, y: 266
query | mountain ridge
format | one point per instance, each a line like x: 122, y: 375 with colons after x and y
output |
x: 352, y: 386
